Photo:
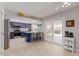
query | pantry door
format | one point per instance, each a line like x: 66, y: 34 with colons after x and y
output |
x: 48, y: 30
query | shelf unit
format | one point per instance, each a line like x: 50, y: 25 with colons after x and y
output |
x: 69, y: 43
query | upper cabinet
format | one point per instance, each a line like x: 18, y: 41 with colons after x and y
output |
x: 22, y: 25
x: 31, y: 27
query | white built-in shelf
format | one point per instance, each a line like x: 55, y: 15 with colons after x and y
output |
x: 69, y: 43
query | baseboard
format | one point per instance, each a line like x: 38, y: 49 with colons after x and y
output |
x: 76, y: 50
x: 53, y: 43
x: 48, y: 41
x: 57, y: 44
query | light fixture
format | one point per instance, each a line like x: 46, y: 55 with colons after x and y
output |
x: 22, y: 14
x: 56, y: 8
x: 63, y: 6
x: 48, y: 26
x: 65, y: 3
x: 69, y: 4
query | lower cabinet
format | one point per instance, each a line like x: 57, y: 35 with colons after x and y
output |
x: 23, y: 34
x: 28, y: 37
x: 11, y: 35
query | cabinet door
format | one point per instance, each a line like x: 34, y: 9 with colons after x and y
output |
x: 11, y: 35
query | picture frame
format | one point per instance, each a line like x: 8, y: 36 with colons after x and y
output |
x: 70, y: 23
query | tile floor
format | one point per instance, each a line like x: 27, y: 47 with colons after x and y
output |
x: 18, y: 47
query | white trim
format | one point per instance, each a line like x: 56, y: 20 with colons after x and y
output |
x: 1, y: 28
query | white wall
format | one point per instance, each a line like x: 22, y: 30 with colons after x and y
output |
x: 69, y: 14
x: 47, y: 29
x: 1, y: 28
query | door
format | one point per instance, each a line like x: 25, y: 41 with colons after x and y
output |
x: 57, y: 31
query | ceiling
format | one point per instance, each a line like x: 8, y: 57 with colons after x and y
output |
x: 37, y: 9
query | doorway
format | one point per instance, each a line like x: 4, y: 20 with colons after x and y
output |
x: 57, y: 31
x: 48, y: 30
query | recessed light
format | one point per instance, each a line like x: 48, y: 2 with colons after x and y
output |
x: 56, y: 8
x: 69, y: 4
x: 65, y: 3
x: 48, y: 26
x: 63, y: 6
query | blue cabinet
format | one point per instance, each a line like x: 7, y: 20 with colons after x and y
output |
x: 12, y: 35
x: 28, y: 37
x: 23, y: 34
x: 22, y: 25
